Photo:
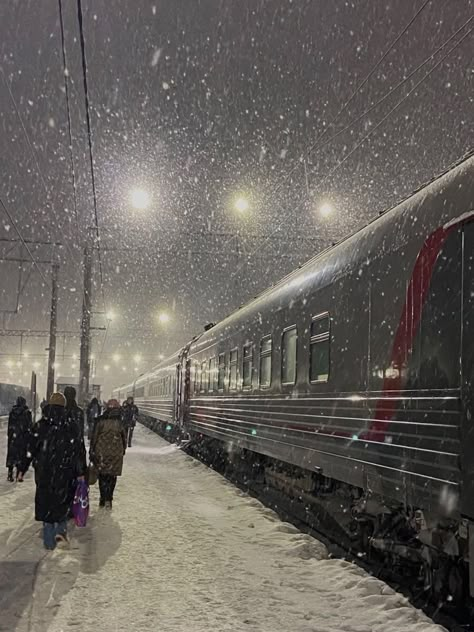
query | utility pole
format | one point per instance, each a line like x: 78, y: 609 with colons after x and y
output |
x: 53, y: 324
x: 84, y: 362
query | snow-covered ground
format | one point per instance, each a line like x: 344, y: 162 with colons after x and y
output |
x: 184, y: 551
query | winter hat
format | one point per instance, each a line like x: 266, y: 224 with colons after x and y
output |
x: 57, y: 399
x: 113, y: 403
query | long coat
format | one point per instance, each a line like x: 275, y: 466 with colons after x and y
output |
x: 58, y: 454
x: 109, y: 442
x: 19, y: 428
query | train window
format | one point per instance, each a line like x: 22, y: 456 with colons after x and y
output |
x: 319, y: 348
x: 203, y: 376
x: 234, y: 357
x: 266, y: 362
x: 288, y: 355
x: 221, y: 373
x: 212, y: 374
x: 247, y: 366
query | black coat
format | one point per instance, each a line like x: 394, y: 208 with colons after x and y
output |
x: 75, y: 413
x: 58, y: 454
x: 19, y: 428
x: 129, y: 415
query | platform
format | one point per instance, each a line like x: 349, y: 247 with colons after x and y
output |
x: 182, y: 550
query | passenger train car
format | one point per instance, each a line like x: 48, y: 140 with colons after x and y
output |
x: 354, y: 374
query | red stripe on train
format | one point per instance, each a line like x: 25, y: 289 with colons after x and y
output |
x: 415, y: 299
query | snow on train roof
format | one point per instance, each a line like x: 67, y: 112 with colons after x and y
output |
x: 359, y: 244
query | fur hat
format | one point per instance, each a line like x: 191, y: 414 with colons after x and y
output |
x: 113, y: 403
x: 57, y: 399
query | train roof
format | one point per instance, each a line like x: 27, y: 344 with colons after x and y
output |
x: 372, y: 239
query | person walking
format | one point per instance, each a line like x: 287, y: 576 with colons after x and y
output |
x: 129, y: 418
x: 92, y: 413
x: 107, y: 449
x: 18, y: 433
x: 58, y: 455
x: 73, y: 410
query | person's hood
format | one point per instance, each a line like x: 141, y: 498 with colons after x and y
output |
x: 54, y: 415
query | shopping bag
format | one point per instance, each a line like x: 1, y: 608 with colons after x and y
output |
x: 91, y: 474
x: 80, y: 505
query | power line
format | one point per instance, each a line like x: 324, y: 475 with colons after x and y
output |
x: 12, y: 221
x: 346, y: 104
x: 35, y: 158
x: 377, y: 126
x: 344, y: 107
x: 69, y: 127
x: 395, y: 88
x: 89, y: 138
x: 397, y: 105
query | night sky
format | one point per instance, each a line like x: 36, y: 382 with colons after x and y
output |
x: 199, y: 102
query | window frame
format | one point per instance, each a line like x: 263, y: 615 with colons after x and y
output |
x: 247, y: 360
x: 236, y: 364
x: 318, y: 339
x: 203, y: 376
x: 265, y: 354
x: 221, y: 385
x: 283, y: 333
x: 211, y: 377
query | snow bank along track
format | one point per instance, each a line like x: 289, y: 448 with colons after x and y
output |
x: 318, y: 513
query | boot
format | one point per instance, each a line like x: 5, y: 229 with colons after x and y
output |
x: 10, y: 475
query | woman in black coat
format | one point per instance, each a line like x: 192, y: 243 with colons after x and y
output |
x: 19, y: 428
x: 58, y: 453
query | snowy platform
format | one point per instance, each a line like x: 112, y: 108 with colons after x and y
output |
x: 184, y: 551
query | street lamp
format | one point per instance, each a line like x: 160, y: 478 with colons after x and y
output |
x: 164, y: 318
x: 137, y: 358
x: 110, y: 315
x: 116, y: 357
x: 140, y: 199
x: 326, y: 209
x: 241, y: 205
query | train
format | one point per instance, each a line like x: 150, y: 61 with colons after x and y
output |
x: 350, y: 382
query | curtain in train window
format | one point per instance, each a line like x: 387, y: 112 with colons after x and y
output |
x: 265, y: 362
x: 221, y: 374
x: 247, y: 366
x: 212, y: 374
x: 234, y: 356
x: 319, y: 348
x: 288, y: 355
x: 203, y: 376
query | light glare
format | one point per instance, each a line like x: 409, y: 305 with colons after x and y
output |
x: 140, y: 198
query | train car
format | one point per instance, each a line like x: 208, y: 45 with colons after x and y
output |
x: 354, y: 374
x: 155, y: 394
x: 8, y: 395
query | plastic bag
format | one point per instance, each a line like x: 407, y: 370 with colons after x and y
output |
x: 80, y: 505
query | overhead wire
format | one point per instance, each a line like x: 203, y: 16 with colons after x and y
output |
x: 303, y: 157
x: 68, y: 109
x: 89, y: 139
x: 38, y: 168
x: 18, y: 232
x: 392, y: 110
x: 354, y: 93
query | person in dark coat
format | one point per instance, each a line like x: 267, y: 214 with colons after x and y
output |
x: 107, y: 449
x: 93, y: 412
x: 58, y: 455
x: 129, y: 418
x: 72, y: 409
x: 19, y: 429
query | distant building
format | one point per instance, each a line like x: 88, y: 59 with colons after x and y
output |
x: 94, y: 387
